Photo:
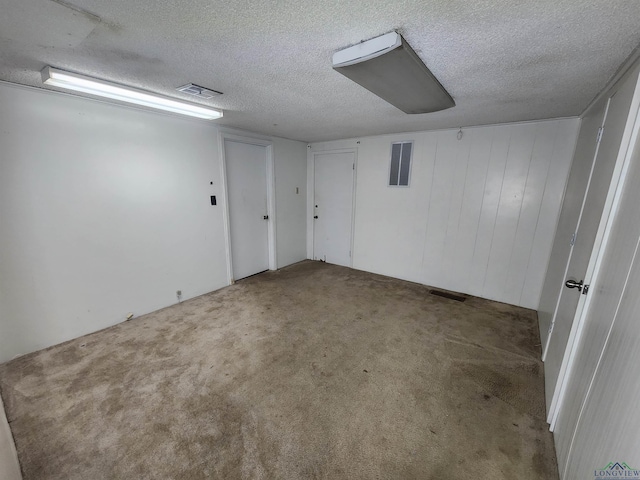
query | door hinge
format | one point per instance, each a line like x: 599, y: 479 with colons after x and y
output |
x: 572, y: 242
x: 349, y: 253
x: 585, y: 289
x: 599, y: 137
x: 353, y: 166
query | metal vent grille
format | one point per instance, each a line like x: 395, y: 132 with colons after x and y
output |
x: 450, y: 296
x: 198, y: 91
x: 400, y: 164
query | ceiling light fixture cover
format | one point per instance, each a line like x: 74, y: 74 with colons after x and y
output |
x: 80, y: 83
x: 388, y: 67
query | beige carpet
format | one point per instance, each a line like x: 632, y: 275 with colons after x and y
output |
x: 311, y: 372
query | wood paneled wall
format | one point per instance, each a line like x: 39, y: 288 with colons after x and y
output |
x: 479, y: 215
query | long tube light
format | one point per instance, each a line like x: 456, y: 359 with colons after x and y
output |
x: 80, y: 83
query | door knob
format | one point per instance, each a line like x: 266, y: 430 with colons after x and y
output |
x: 266, y: 217
x: 574, y: 284
x: 315, y: 216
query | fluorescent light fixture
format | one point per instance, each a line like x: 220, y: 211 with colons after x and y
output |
x: 388, y: 67
x: 80, y: 83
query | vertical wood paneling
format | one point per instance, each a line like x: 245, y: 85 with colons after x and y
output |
x: 548, y: 215
x: 490, y: 201
x: 472, y: 217
x: 450, y: 278
x: 472, y: 203
x: 531, y: 203
x: 513, y: 185
x: 438, y: 210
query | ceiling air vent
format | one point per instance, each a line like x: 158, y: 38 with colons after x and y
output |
x: 198, y: 91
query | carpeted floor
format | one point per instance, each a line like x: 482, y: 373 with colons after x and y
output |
x: 312, y: 372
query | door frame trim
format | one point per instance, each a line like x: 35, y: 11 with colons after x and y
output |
x: 271, y: 197
x: 312, y: 195
x: 628, y: 143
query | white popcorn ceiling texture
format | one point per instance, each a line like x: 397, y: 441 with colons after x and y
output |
x: 501, y: 60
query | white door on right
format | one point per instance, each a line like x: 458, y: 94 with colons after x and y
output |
x: 593, y: 212
x: 602, y: 390
x: 333, y: 206
x: 575, y: 191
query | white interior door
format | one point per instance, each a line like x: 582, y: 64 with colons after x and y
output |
x: 591, y: 225
x: 246, y: 168
x: 333, y: 206
x: 575, y: 192
x: 608, y: 325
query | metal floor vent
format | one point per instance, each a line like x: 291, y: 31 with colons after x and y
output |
x: 198, y: 91
x: 450, y: 296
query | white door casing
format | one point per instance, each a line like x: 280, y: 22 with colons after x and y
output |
x: 334, y: 178
x: 248, y: 187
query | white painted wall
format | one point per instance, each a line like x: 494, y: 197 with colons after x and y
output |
x: 104, y: 210
x: 291, y: 211
x: 479, y: 216
x: 9, y: 466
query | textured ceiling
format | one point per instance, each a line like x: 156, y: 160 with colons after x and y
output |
x: 501, y: 60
